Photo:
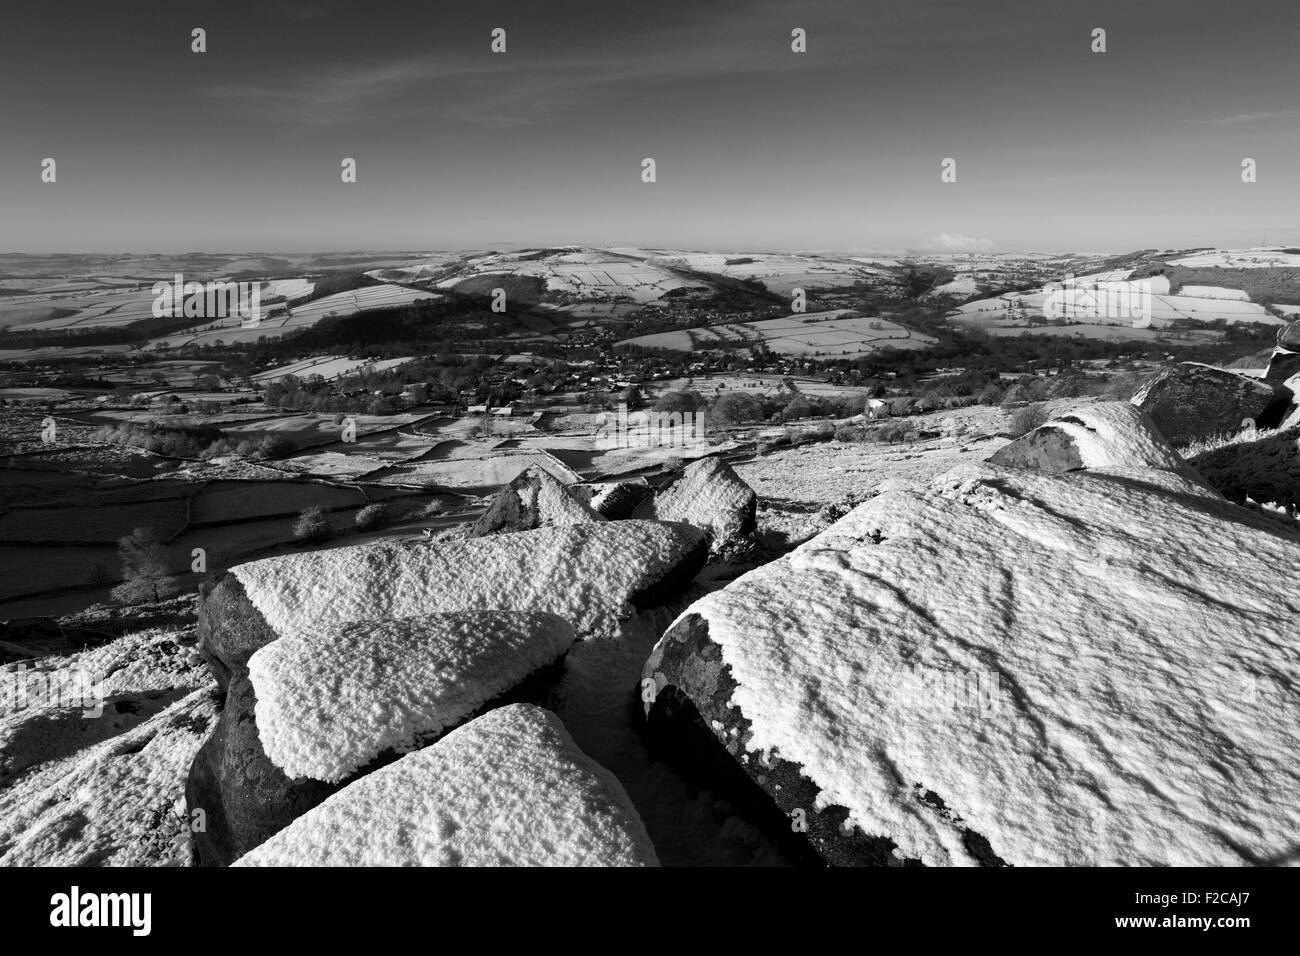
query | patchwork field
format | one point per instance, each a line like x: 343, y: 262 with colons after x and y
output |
x: 1092, y: 305
x: 328, y: 367
x: 838, y: 334
x: 230, y: 329
x: 571, y: 273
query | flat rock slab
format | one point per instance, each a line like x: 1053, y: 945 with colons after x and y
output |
x: 1014, y: 667
x: 510, y: 788
x: 330, y: 702
x: 585, y: 573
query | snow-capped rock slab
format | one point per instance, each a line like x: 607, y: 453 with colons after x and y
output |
x: 585, y: 573
x: 1013, y: 667
x: 534, y: 499
x: 708, y: 494
x: 509, y: 788
x: 1102, y: 436
x: 1192, y: 401
x: 591, y: 575
x: 330, y: 701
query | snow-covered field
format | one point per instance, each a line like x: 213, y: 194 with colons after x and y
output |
x: 329, y: 367
x: 838, y: 334
x: 1099, y: 298
x: 782, y: 273
x: 1260, y: 257
x: 574, y: 271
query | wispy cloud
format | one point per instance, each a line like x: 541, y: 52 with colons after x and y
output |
x: 1238, y: 118
x: 491, y: 92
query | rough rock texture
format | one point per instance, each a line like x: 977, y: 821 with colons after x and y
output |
x: 117, y: 802
x: 331, y: 701
x: 590, y: 575
x: 617, y: 500
x: 708, y: 494
x: 1192, y: 401
x: 1093, y: 437
x: 1264, y: 468
x: 585, y: 573
x: 507, y: 789
x: 1011, y: 666
x: 54, y: 707
x: 534, y: 499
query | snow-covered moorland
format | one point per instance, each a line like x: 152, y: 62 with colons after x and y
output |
x: 1066, y: 648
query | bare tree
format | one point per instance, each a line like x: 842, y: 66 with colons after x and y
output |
x: 144, y: 569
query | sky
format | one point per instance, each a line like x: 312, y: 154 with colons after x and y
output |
x: 757, y: 148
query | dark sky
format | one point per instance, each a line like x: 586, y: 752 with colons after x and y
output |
x: 1057, y: 148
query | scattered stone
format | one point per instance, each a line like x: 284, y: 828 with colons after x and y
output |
x: 590, y: 575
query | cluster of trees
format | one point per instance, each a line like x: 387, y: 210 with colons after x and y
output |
x: 437, y: 379
x: 191, y: 442
x: 736, y: 407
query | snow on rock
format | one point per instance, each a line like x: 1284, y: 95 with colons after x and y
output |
x: 617, y: 500
x: 706, y: 493
x: 585, y: 573
x: 119, y: 802
x: 509, y: 788
x: 330, y: 701
x: 534, y: 499
x: 1107, y: 435
x: 1012, y: 666
x: 1192, y: 401
x: 52, y: 707
x: 591, y: 575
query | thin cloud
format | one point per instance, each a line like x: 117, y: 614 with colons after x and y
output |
x: 487, y: 92
x: 1237, y: 118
